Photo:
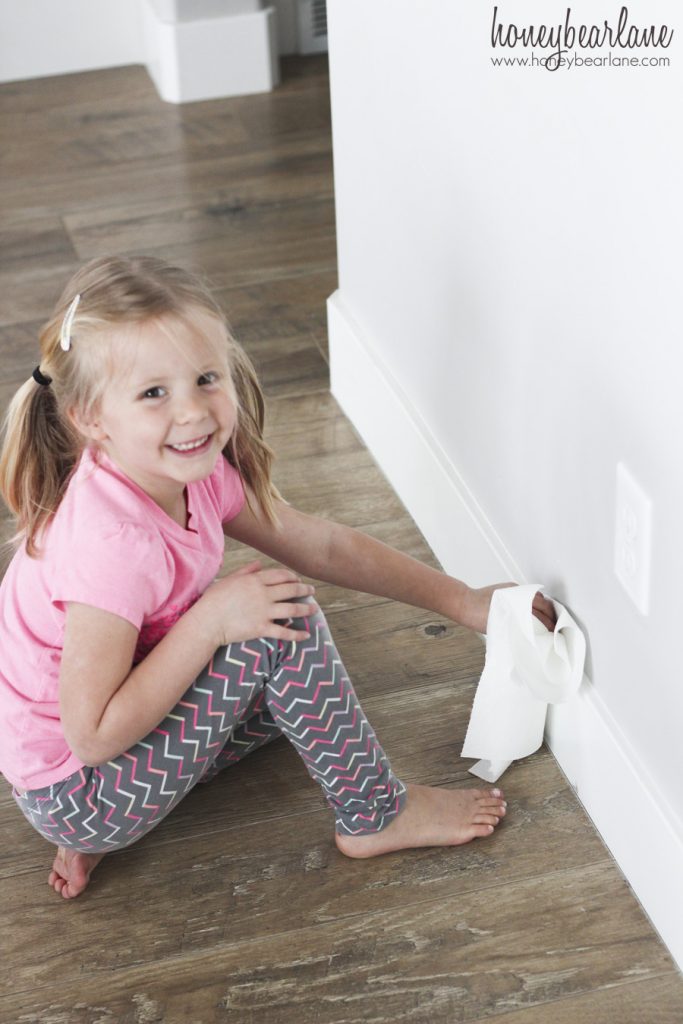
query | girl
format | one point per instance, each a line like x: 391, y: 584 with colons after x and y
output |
x: 127, y: 672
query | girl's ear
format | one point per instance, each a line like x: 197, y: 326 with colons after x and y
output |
x: 89, y: 427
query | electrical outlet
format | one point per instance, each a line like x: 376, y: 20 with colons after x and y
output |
x: 633, y: 538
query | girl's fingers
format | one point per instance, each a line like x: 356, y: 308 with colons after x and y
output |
x: 279, y: 574
x: 544, y: 610
x: 290, y: 591
x: 244, y: 569
x: 542, y: 617
x: 291, y: 610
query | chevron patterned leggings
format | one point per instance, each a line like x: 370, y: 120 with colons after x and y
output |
x: 247, y: 695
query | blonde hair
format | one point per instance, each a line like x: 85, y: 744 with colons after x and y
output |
x: 41, y: 446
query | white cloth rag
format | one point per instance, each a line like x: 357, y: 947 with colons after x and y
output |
x: 527, y: 667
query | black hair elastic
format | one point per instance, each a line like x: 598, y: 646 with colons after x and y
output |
x: 40, y: 378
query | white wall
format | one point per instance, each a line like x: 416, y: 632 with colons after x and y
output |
x: 44, y: 37
x: 510, y: 256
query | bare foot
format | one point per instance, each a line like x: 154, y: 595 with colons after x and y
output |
x: 431, y: 817
x: 71, y: 871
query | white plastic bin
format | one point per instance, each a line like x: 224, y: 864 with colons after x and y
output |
x: 229, y: 50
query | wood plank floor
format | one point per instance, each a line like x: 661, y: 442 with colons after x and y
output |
x: 239, y: 908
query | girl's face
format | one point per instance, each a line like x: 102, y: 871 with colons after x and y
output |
x: 166, y: 417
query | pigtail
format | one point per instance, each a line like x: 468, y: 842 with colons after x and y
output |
x: 247, y: 450
x: 39, y: 453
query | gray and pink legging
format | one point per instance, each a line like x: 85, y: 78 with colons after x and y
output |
x: 248, y: 694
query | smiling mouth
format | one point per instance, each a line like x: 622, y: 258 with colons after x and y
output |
x: 190, y: 446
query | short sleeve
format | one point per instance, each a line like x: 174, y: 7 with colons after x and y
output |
x: 121, y: 568
x: 232, y: 497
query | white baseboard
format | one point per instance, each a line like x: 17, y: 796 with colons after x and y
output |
x: 644, y: 836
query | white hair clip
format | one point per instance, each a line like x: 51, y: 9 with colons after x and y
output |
x: 65, y: 333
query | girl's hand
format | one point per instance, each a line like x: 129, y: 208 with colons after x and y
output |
x: 246, y: 603
x: 476, y: 604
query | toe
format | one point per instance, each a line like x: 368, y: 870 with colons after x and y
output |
x: 499, y: 810
x: 486, y: 819
x: 494, y: 805
x: 489, y: 796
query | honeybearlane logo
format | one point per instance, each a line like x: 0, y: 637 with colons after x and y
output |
x: 564, y: 37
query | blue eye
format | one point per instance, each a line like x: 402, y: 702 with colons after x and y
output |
x: 210, y: 377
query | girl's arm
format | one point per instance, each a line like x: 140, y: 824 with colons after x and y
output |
x: 106, y: 705
x: 346, y: 557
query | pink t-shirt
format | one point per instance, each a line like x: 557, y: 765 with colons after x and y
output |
x: 111, y: 546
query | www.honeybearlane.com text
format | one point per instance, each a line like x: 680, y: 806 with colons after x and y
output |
x: 562, y: 37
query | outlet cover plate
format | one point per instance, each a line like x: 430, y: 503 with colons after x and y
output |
x: 633, y: 538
